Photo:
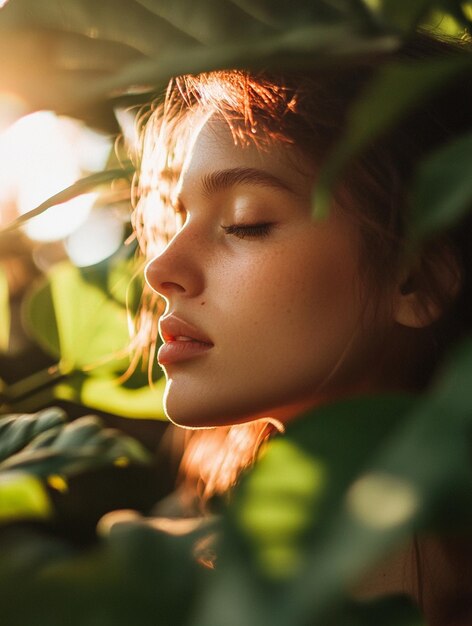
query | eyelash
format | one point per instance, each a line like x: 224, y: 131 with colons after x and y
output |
x: 252, y: 231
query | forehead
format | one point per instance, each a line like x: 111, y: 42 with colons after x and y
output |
x: 216, y: 148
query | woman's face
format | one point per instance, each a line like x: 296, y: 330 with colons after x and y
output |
x: 265, y: 310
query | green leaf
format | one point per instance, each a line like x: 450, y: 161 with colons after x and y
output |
x: 80, y: 187
x: 106, y: 394
x: 284, y: 509
x: 78, y: 321
x: 423, y: 467
x: 388, y: 98
x: 75, y: 447
x: 289, y: 13
x: 306, y: 46
x: 16, y: 431
x: 208, y: 21
x: 404, y: 14
x: 442, y: 192
x: 122, y: 21
x: 80, y: 317
x: 23, y: 497
x: 137, y: 575
x: 76, y: 59
x: 4, y: 312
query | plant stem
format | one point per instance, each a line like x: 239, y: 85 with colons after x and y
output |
x: 32, y: 384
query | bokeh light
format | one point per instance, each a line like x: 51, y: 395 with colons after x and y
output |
x: 42, y: 154
x: 97, y: 238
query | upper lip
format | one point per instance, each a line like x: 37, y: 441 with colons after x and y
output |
x: 171, y: 327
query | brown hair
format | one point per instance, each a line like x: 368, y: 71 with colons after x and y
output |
x: 309, y: 110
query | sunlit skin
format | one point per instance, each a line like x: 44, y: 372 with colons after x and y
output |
x: 283, y: 302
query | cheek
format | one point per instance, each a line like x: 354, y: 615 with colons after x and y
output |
x: 310, y: 282
x: 293, y: 296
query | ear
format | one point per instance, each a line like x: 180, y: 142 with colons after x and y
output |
x: 415, y: 306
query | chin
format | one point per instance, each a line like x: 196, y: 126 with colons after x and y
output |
x: 195, y: 415
x: 188, y: 415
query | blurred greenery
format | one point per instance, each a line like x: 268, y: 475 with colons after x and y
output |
x: 399, y: 87
x: 80, y: 318
x: 345, y: 484
x: 443, y: 189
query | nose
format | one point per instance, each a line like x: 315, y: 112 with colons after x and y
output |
x: 178, y: 270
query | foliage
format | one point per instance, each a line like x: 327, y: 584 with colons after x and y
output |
x: 344, y: 485
x: 80, y: 318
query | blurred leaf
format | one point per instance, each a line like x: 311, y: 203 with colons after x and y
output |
x: 80, y: 187
x: 460, y: 11
x: 404, y: 14
x: 388, y: 98
x: 16, y: 431
x: 80, y: 317
x: 288, y: 13
x: 73, y: 448
x: 307, y: 45
x: 423, y: 465
x: 23, y: 497
x: 125, y: 22
x: 444, y: 24
x: 443, y: 189
x: 88, y: 327
x: 447, y: 16
x: 66, y: 59
x: 106, y: 394
x: 4, y: 312
x: 295, y: 491
x: 208, y: 21
x: 137, y: 575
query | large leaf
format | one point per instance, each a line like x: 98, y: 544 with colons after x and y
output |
x: 50, y: 53
x: 79, y: 322
x: 125, y: 22
x: 390, y: 96
x: 305, y: 45
x: 106, y: 394
x: 286, y: 506
x: 67, y: 59
x: 442, y: 193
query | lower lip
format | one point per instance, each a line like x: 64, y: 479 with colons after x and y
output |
x: 175, y: 351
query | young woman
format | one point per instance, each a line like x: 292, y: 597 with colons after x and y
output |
x: 264, y: 310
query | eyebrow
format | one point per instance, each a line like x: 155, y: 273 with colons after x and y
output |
x: 220, y: 180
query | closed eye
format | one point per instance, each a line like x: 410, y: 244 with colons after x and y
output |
x: 253, y: 231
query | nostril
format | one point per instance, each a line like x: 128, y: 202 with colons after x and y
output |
x: 170, y: 286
